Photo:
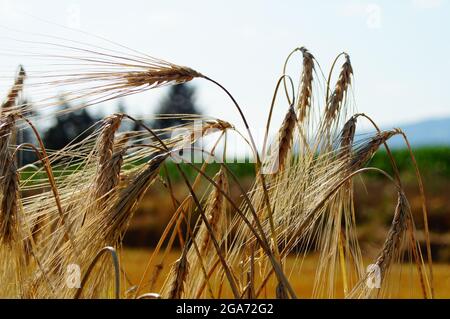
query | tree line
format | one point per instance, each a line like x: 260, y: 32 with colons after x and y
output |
x: 70, y: 127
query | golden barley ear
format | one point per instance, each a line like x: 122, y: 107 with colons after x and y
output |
x: 9, y: 206
x: 170, y: 74
x: 14, y: 92
x: 347, y: 136
x: 179, y: 274
x: 285, y: 136
x: 9, y: 184
x: 110, y: 155
x: 340, y: 90
x: 390, y: 251
x: 110, y: 159
x: 216, y: 211
x: 304, y: 101
x: 397, y: 229
x: 102, y: 75
x: 364, y: 153
x: 116, y: 218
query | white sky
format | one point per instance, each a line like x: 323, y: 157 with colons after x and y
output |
x: 400, y: 50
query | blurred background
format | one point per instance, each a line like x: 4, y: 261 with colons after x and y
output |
x: 375, y: 195
x: 400, y: 55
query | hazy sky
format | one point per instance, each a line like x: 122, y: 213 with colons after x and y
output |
x: 400, y: 50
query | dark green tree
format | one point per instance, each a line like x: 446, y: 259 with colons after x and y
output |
x: 25, y: 135
x: 70, y: 127
x: 179, y: 100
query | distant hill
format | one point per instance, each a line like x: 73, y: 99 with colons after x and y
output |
x: 431, y: 132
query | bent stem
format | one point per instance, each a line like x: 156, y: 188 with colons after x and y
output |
x: 43, y: 157
x: 115, y: 260
x: 424, y: 212
x: 258, y: 168
x: 284, y: 72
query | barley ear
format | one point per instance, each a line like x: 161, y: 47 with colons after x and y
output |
x: 364, y: 153
x: 215, y: 213
x: 8, y: 215
x: 340, y: 91
x: 304, y: 101
x: 179, y: 275
x: 14, y: 92
x: 347, y: 136
x: 110, y: 158
x: 285, y: 137
x: 156, y: 77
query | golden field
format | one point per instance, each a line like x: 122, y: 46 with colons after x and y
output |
x: 134, y: 262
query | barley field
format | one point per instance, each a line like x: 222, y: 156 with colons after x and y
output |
x: 289, y: 230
